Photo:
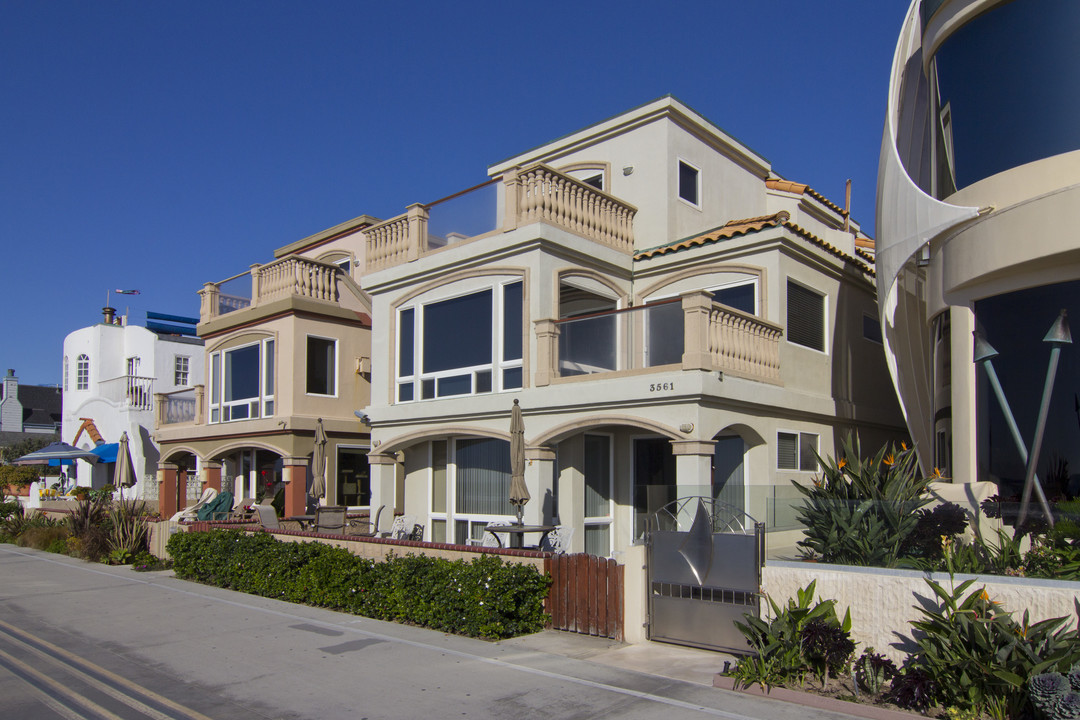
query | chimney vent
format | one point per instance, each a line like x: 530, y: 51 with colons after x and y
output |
x: 110, y: 315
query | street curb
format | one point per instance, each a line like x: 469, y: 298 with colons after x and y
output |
x: 870, y: 712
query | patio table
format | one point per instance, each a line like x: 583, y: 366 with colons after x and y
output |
x: 516, y: 533
x: 306, y: 521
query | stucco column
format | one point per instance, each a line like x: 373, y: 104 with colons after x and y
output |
x: 383, y: 469
x: 540, y: 479
x: 696, y: 307
x: 417, y: 220
x: 965, y: 467
x: 572, y: 489
x: 693, y: 468
x: 511, y: 186
x: 167, y: 490
x: 546, y: 334
x: 211, y: 475
x: 294, y: 474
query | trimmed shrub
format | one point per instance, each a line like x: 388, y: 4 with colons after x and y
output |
x: 483, y: 598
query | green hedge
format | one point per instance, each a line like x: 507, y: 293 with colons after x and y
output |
x: 482, y: 598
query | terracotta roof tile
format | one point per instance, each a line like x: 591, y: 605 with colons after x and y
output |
x: 737, y: 228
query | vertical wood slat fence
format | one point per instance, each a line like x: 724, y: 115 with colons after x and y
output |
x: 586, y: 595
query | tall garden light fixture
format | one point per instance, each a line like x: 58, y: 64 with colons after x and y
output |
x: 984, y: 354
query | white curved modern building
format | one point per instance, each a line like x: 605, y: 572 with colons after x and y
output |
x: 978, y: 209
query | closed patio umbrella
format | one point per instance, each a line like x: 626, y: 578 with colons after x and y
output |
x: 318, y: 462
x: 124, y: 472
x: 519, y: 493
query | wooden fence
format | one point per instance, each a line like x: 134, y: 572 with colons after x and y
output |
x: 586, y: 595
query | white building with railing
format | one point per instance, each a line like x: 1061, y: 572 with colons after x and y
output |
x: 111, y: 374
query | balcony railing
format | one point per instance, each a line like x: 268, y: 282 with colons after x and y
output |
x: 288, y: 276
x: 534, y: 194
x: 692, y: 331
x: 129, y: 391
x: 182, y: 406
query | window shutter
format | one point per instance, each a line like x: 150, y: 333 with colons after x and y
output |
x: 805, y: 317
x: 787, y: 451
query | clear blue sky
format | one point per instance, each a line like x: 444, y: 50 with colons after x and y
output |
x: 160, y: 145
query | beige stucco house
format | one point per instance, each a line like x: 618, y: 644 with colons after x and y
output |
x: 674, y: 318
x: 287, y: 344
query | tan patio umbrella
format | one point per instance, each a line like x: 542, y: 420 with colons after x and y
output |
x: 519, y: 493
x: 318, y: 462
x: 124, y: 472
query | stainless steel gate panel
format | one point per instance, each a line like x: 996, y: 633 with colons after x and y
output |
x: 701, y: 581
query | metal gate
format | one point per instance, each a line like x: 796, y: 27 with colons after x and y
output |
x: 704, y: 569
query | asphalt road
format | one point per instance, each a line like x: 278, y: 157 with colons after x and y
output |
x: 81, y: 641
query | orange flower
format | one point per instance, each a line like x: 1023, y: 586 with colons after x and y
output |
x: 842, y: 464
x: 889, y: 459
x: 903, y: 445
x: 936, y: 475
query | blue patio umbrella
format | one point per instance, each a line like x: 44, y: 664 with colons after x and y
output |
x: 57, y: 453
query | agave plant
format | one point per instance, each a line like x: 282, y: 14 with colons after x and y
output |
x: 129, y: 532
x: 860, y: 511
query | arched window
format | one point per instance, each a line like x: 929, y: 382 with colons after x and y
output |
x: 82, y: 372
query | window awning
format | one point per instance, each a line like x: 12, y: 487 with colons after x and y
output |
x: 106, y: 452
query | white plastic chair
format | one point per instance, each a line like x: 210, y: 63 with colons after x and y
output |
x: 403, y: 525
x: 490, y: 539
x: 558, y: 540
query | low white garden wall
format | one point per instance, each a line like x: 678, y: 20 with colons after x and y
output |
x: 882, y: 601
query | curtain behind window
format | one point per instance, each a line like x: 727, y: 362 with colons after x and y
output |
x: 483, y: 477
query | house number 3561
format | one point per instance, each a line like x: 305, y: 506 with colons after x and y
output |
x: 660, y: 387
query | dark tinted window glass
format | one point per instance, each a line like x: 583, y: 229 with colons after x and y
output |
x: 405, y: 344
x: 457, y: 332
x: 512, y: 322
x: 740, y: 297
x: 688, y: 183
x: 805, y: 317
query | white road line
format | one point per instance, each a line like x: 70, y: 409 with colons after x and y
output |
x: 71, y: 661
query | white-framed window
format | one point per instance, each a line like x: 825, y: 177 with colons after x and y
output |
x: 353, y: 477
x: 82, y: 372
x: 598, y: 477
x: 796, y: 451
x: 664, y: 322
x: 181, y: 367
x: 321, y: 366
x: 133, y: 366
x: 468, y: 344
x: 65, y: 373
x: 470, y: 488
x: 242, y: 382
x: 805, y: 316
x: 689, y: 183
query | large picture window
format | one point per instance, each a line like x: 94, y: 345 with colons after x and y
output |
x: 464, y: 345
x: 242, y: 382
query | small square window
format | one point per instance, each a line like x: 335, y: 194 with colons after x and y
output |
x: 796, y: 451
x: 688, y: 183
x: 180, y: 370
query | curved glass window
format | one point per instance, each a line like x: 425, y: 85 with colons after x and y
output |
x: 1008, y: 91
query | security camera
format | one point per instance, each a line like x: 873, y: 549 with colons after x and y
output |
x: 363, y: 418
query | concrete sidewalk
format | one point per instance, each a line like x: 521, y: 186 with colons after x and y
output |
x: 652, y: 658
x: 238, y: 656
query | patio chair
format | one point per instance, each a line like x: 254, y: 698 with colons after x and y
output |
x: 558, y: 540
x: 490, y: 539
x: 330, y: 519
x: 267, y: 517
x: 417, y: 532
x: 401, y: 527
x: 372, y: 528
